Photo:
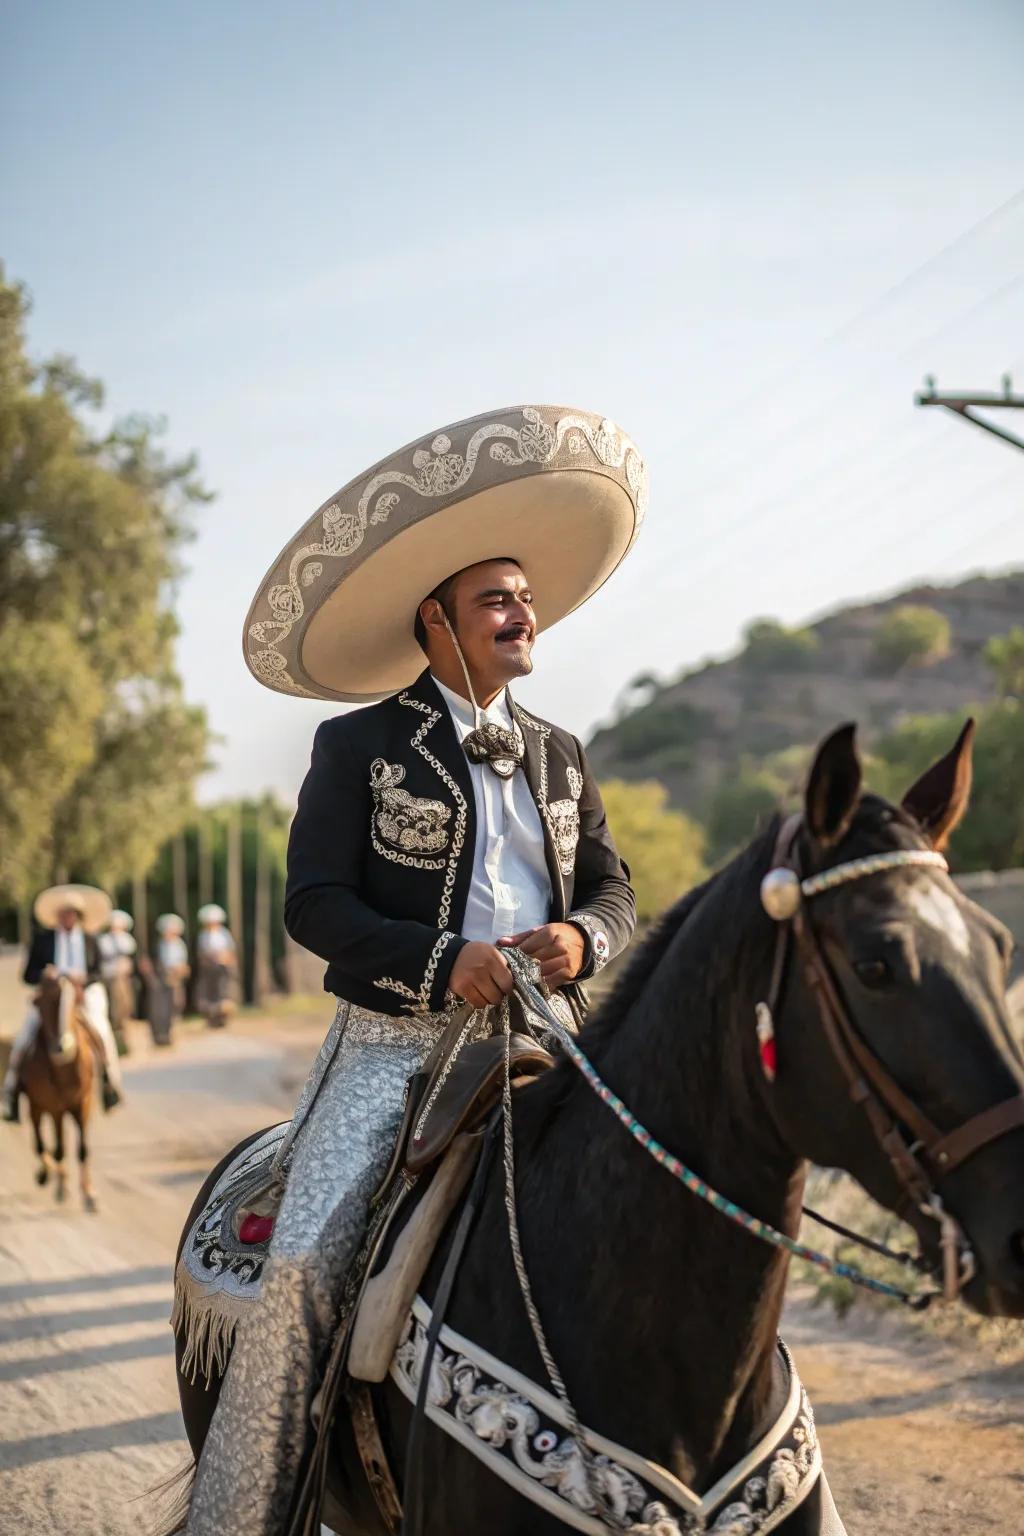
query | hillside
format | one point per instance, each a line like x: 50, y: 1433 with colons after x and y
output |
x: 790, y: 687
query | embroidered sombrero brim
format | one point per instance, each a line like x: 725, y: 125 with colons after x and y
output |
x: 93, y: 905
x: 562, y: 491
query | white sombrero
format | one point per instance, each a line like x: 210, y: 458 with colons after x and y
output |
x: 211, y: 913
x: 561, y: 491
x: 93, y: 906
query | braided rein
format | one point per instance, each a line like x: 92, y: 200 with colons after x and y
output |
x: 535, y: 1002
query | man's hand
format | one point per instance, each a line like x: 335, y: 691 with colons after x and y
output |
x: 49, y: 973
x: 480, y: 975
x: 558, y: 947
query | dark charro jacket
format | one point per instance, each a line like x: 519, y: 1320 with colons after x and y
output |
x: 381, y: 850
x: 43, y: 948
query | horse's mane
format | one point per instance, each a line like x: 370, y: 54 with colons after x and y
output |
x: 734, y: 877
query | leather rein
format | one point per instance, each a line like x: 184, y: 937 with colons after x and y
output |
x: 919, y: 1152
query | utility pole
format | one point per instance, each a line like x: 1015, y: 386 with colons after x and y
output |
x: 964, y: 405
x: 139, y: 912
x: 261, y: 979
x: 179, y: 867
x: 204, y: 835
x: 236, y: 919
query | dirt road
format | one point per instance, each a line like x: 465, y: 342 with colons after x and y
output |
x: 919, y: 1436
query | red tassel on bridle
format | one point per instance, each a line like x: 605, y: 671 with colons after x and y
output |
x: 766, y: 1041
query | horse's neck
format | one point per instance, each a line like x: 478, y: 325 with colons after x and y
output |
x: 683, y: 1304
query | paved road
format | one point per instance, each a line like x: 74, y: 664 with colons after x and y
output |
x: 918, y: 1435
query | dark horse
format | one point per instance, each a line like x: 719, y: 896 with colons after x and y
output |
x: 661, y: 1314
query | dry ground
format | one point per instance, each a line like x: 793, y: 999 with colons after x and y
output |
x: 920, y: 1434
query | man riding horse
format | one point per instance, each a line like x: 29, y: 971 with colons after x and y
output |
x: 433, y: 829
x: 65, y: 944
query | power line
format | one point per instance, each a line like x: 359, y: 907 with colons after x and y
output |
x: 823, y: 411
x: 930, y: 522
x: 876, y: 306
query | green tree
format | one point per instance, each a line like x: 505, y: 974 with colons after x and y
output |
x: 91, y: 527
x: 49, y: 702
x: 1005, y: 655
x: 659, y: 727
x: 742, y: 801
x: 772, y: 647
x: 991, y: 835
x: 664, y: 848
x: 910, y: 636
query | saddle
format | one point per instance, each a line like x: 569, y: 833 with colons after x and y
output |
x: 446, y: 1107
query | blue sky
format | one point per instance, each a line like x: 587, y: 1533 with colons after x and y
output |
x: 309, y: 233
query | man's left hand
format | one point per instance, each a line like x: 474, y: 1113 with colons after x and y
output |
x: 559, y: 948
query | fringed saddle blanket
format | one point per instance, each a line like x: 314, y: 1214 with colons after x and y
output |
x: 221, y: 1266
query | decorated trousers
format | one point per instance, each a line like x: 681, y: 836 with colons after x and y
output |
x: 335, y: 1155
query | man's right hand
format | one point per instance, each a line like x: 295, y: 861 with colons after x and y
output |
x: 480, y: 975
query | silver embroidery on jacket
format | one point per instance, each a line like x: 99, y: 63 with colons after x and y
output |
x: 405, y: 827
x: 419, y: 1002
x: 561, y: 817
x: 459, y: 833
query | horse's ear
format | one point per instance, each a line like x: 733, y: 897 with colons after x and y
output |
x: 939, y: 799
x: 833, y: 788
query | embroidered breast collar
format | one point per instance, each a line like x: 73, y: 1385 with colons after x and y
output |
x: 521, y: 1434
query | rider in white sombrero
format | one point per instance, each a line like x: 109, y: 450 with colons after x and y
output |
x: 69, y: 917
x: 432, y: 829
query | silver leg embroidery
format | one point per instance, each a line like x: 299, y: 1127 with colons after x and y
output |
x: 245, y: 1480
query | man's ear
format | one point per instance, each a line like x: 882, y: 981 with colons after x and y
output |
x: 432, y: 615
x: 939, y: 799
x: 833, y: 788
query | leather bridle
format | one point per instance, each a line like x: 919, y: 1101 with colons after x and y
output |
x: 919, y: 1152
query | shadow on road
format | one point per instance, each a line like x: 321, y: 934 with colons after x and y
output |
x: 26, y: 1290
x: 98, y: 1437
x: 81, y: 1359
x: 41, y: 1324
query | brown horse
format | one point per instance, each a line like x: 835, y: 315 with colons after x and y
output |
x: 57, y: 1077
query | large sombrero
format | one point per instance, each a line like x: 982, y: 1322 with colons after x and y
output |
x: 93, y: 906
x: 561, y: 491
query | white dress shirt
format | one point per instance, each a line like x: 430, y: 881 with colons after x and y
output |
x: 510, y: 889
x: 69, y: 951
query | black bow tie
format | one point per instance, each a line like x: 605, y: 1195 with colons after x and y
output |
x: 500, y: 748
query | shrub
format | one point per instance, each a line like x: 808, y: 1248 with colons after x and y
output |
x: 1005, y: 655
x: 771, y: 647
x: 657, y: 727
x: 911, y: 636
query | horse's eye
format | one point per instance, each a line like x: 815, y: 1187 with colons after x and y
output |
x: 873, y: 973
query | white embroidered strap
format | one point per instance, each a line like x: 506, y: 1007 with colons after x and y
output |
x: 519, y: 1431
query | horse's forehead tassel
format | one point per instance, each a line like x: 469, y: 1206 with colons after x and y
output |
x: 780, y: 894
